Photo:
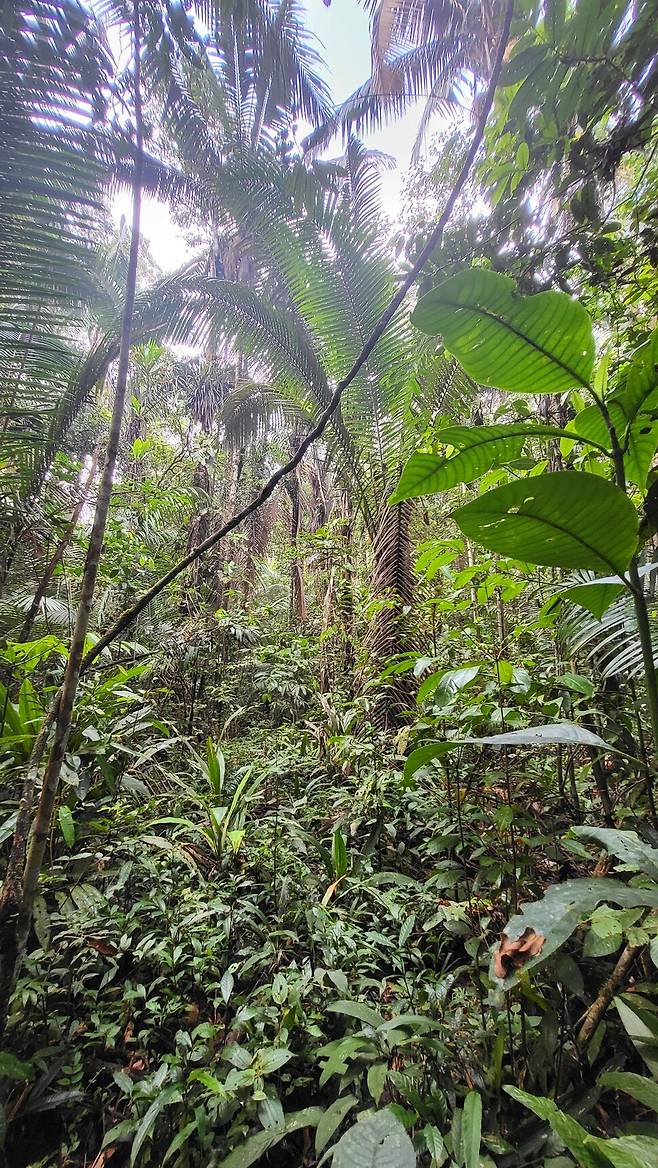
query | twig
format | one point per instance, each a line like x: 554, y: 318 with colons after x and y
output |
x: 606, y: 994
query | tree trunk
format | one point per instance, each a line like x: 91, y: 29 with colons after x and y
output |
x: 297, y: 590
x: 16, y: 903
x: 58, y: 554
x: 391, y: 633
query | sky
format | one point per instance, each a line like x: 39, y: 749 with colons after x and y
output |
x: 343, y: 33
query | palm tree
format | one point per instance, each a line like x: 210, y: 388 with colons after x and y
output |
x: 51, y: 187
x: 321, y: 288
x: 430, y: 50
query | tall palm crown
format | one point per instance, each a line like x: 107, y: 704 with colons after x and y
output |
x: 422, y: 50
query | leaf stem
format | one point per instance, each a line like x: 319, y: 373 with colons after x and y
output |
x: 640, y: 605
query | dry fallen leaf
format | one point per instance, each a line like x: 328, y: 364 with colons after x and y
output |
x: 513, y: 954
x: 104, y: 1156
x: 104, y: 947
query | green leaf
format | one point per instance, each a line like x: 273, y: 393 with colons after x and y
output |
x: 471, y: 1130
x: 12, y: 1067
x: 379, y: 1141
x: 630, y: 1151
x: 638, y: 1086
x: 449, y: 681
x: 595, y: 596
x: 565, y: 520
x: 406, y: 930
x: 434, y: 1144
x: 226, y: 985
x: 332, y: 1119
x: 424, y: 754
x: 577, y: 684
x: 555, y: 734
x: 522, y: 64
x: 625, y: 845
x: 357, y: 1010
x: 339, y: 853
x: 251, y: 1149
x: 523, y: 344
x: 376, y: 1079
x: 576, y: 1138
x: 271, y: 1059
x: 147, y: 1123
x: 640, y: 392
x: 210, y: 1081
x: 638, y: 438
x: 561, y: 909
x: 476, y: 450
x: 180, y: 1139
x: 67, y: 826
x: 641, y: 1035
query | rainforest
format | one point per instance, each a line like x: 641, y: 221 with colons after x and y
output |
x: 328, y: 583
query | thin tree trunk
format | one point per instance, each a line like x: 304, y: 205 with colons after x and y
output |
x: 297, y: 591
x: 16, y: 904
x: 58, y: 554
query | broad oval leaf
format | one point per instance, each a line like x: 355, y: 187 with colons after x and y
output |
x: 565, y: 520
x: 625, y: 846
x: 556, y: 916
x: 524, y: 344
x: 555, y: 734
x: 379, y: 1141
x: 476, y: 450
x: 332, y: 1119
x: 253, y: 1148
x: 638, y: 1086
x: 638, y: 439
x: 358, y: 1010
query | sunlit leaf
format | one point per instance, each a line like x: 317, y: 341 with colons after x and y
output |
x: 524, y: 344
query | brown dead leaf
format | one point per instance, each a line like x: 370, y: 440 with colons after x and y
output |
x: 104, y: 1156
x: 101, y: 946
x: 514, y: 954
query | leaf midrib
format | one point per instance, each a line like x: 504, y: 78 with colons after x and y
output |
x: 564, y: 531
x: 522, y: 336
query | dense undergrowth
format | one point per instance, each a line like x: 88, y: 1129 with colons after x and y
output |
x: 228, y: 937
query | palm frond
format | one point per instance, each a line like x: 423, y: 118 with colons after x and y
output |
x: 611, y: 644
x: 53, y: 73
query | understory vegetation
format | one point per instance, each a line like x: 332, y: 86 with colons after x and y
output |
x: 328, y: 568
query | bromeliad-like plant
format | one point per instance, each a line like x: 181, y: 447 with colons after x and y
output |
x: 572, y: 519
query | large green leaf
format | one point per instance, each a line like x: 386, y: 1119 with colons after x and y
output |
x: 573, y: 1134
x: 476, y: 449
x: 524, y: 344
x: 357, y: 1010
x: 253, y: 1148
x: 596, y: 595
x: 638, y: 437
x: 625, y: 845
x: 379, y: 1141
x: 471, y: 1130
x: 555, y: 734
x: 642, y: 1032
x: 565, y: 520
x: 563, y: 906
x: 641, y: 1088
x: 640, y: 392
x: 332, y: 1119
x: 589, y: 1150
